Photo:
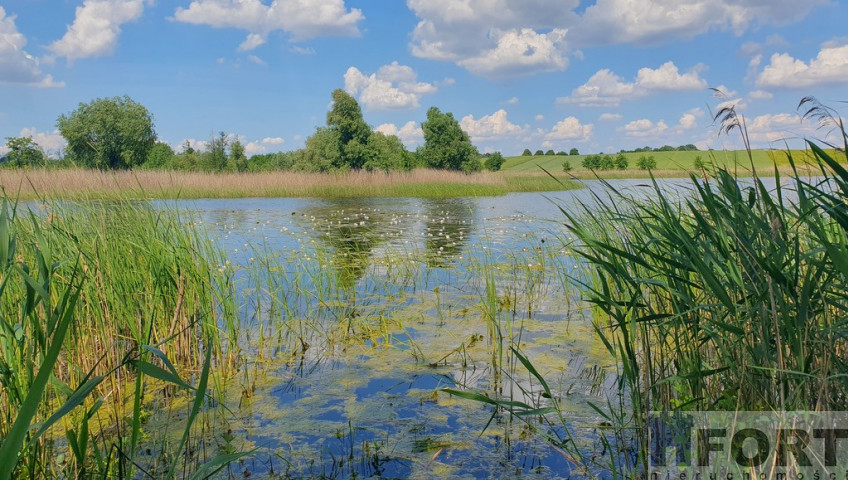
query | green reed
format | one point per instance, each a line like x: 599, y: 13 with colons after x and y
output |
x: 100, y: 305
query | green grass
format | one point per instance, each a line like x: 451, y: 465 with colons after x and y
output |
x: 669, y: 164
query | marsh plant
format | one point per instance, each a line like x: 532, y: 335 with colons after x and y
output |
x: 103, y: 307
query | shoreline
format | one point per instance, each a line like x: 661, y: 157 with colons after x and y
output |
x: 82, y: 184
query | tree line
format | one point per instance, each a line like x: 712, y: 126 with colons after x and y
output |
x: 118, y: 133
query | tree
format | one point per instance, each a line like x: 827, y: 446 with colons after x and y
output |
x: 526, y: 153
x: 446, y: 145
x: 215, y: 160
x: 108, y: 133
x: 238, y: 160
x: 566, y: 166
x: 592, y: 162
x: 550, y: 152
x: 321, y: 153
x: 562, y: 153
x: 346, y: 118
x: 386, y: 152
x: 494, y: 162
x: 539, y: 153
x: 161, y: 156
x: 24, y: 152
x: 573, y: 151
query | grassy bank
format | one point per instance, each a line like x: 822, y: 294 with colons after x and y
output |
x: 672, y: 164
x: 95, y: 184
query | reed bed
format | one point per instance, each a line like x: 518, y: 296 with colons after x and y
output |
x: 101, y: 306
x: 97, y: 184
x: 729, y: 296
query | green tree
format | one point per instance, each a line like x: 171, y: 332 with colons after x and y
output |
x: 539, y: 153
x: 108, y: 133
x: 607, y: 162
x: 321, y: 153
x: 621, y: 162
x: 592, y: 162
x: 550, y: 152
x: 573, y: 151
x: 161, y: 155
x: 24, y: 152
x: 494, y: 162
x: 446, y: 145
x: 566, y: 166
x: 237, y: 160
x: 526, y: 153
x: 386, y: 152
x: 346, y: 118
x: 646, y: 162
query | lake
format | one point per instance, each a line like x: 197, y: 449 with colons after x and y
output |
x: 357, y: 312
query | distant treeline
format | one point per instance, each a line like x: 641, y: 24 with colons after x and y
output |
x: 118, y: 133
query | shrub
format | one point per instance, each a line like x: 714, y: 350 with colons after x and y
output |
x: 646, y: 162
x: 566, y: 166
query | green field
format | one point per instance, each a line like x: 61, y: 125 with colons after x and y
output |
x: 668, y: 163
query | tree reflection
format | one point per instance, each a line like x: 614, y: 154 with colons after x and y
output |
x: 448, y: 225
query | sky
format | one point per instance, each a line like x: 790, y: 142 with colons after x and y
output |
x: 599, y: 75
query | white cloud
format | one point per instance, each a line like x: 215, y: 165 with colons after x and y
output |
x: 778, y: 127
x: 301, y: 50
x: 393, y: 86
x: 659, y: 21
x: 491, y: 127
x: 689, y: 120
x: 570, y: 128
x: 829, y: 67
x: 520, y: 52
x: 512, y: 101
x: 606, y: 89
x: 301, y: 19
x: 252, y: 41
x: 644, y: 128
x: 273, y: 141
x: 16, y: 65
x: 410, y: 134
x: 494, y: 37
x: 257, y: 60
x: 760, y: 95
x: 610, y: 117
x: 96, y: 28
x: 539, y: 118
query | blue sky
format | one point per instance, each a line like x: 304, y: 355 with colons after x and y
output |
x: 600, y: 75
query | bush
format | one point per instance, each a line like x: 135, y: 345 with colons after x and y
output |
x: 566, y: 166
x: 592, y: 162
x: 621, y: 162
x: 646, y: 163
x: 526, y: 153
x: 539, y: 153
x: 550, y: 152
x: 607, y: 163
x: 494, y: 162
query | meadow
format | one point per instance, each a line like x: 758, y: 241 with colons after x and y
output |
x: 671, y: 164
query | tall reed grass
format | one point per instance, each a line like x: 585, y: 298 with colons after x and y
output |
x: 96, y: 184
x: 100, y: 304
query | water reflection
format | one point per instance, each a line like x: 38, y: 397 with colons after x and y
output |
x: 448, y: 225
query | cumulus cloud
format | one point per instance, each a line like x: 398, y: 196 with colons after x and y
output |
x: 521, y: 52
x: 512, y: 101
x: 644, y: 128
x: 491, y: 127
x: 487, y: 36
x: 393, y: 86
x: 778, y: 127
x: 16, y: 65
x: 494, y: 37
x: 659, y: 21
x: 273, y: 141
x: 829, y: 67
x: 301, y: 19
x: 570, y: 128
x: 410, y: 134
x: 606, y: 89
x: 539, y: 117
x: 96, y: 28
